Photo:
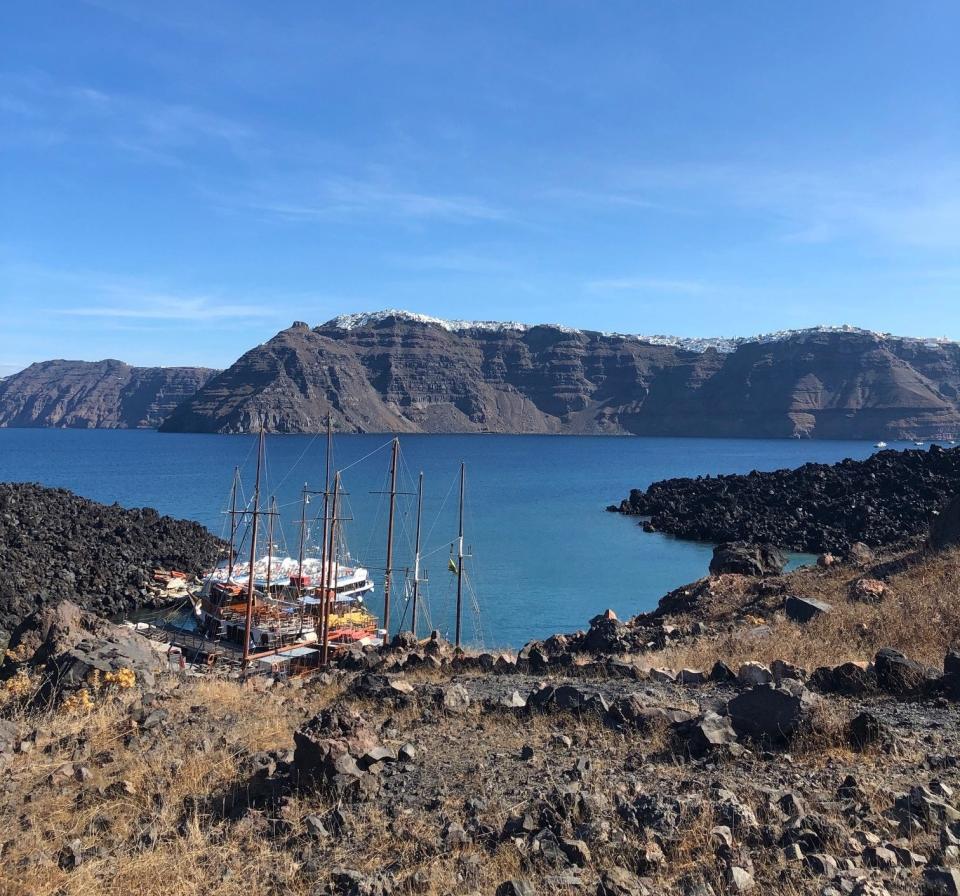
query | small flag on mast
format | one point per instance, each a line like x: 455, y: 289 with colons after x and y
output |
x: 452, y: 566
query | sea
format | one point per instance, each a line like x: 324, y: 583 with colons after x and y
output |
x: 543, y: 556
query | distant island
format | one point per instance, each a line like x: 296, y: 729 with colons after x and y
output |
x: 395, y: 371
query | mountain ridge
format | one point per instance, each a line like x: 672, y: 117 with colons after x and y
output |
x: 398, y: 371
x: 107, y: 394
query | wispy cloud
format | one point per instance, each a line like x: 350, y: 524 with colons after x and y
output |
x: 40, y: 110
x: 915, y: 205
x: 170, y: 308
x: 338, y: 197
x: 646, y: 284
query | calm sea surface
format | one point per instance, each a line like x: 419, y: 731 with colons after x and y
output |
x: 545, y: 555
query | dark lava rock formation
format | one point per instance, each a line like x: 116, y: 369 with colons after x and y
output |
x: 55, y: 545
x: 392, y: 371
x: 96, y: 394
x: 883, y: 500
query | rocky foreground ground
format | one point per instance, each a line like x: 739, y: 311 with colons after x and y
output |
x: 816, y: 507
x: 768, y: 734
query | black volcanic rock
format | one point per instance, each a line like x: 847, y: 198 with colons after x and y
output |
x: 95, y: 394
x: 393, y: 371
x: 55, y: 545
x: 883, y: 500
x: 747, y: 559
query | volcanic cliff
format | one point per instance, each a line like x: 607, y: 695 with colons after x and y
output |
x: 394, y: 371
x: 96, y: 394
x: 402, y: 372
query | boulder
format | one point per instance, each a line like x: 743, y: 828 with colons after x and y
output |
x: 631, y: 713
x: 454, y: 698
x: 803, y: 609
x: 70, y: 644
x: 851, y: 679
x: 771, y: 714
x: 898, y: 675
x: 404, y: 641
x: 606, y: 634
x: 327, y: 747
x: 705, y: 735
x: 747, y: 559
x: 867, y: 591
x: 781, y: 669
x: 859, y: 554
x: 753, y: 673
x: 869, y: 730
x: 617, y: 881
x: 4, y: 644
x: 927, y: 808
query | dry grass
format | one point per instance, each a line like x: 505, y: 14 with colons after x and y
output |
x: 920, y: 616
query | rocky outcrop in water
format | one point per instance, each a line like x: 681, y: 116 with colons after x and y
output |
x: 96, y: 394
x: 883, y: 500
x: 55, y: 545
x: 394, y: 371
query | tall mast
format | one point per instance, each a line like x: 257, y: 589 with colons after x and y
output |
x: 233, y: 521
x: 416, y: 559
x: 388, y: 575
x: 303, y: 535
x: 330, y: 583
x: 253, y: 552
x: 324, y: 574
x: 463, y: 469
x: 271, y: 514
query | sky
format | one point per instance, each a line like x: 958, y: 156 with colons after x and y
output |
x: 181, y: 180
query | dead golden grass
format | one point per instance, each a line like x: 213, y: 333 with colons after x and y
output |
x: 920, y: 616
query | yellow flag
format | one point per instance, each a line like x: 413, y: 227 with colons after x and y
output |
x: 452, y: 566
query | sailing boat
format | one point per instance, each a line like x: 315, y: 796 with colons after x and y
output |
x: 287, y: 613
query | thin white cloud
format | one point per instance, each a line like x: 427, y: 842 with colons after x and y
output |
x: 885, y: 201
x: 41, y: 110
x: 166, y: 308
x: 339, y: 197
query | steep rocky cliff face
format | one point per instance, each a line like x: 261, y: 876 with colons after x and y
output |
x: 398, y: 372
x: 100, y: 394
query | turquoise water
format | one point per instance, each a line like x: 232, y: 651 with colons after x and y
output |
x: 545, y: 555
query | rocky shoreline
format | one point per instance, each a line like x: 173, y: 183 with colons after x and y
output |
x: 817, y: 507
x: 55, y: 545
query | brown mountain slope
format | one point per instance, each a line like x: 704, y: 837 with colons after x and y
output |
x: 395, y: 372
x: 98, y: 394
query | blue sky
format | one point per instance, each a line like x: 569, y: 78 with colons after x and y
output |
x: 182, y: 179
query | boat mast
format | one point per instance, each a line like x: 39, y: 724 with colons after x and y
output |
x: 303, y: 534
x: 270, y: 515
x: 253, y: 553
x: 330, y: 584
x: 416, y: 559
x: 460, y: 558
x: 388, y: 575
x: 233, y: 521
x: 326, y: 494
